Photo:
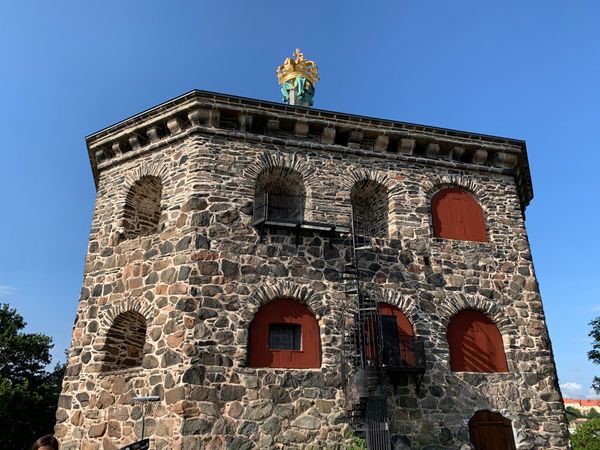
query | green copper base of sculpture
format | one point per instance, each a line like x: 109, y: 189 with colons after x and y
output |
x: 298, y: 92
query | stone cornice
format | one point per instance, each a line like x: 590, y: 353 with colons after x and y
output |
x: 211, y: 113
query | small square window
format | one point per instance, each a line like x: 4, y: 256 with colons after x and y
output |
x: 285, y: 336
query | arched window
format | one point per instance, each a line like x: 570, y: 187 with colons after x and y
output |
x: 279, y: 196
x: 475, y: 344
x: 142, y: 207
x: 124, y: 346
x: 457, y: 215
x: 370, y: 208
x: 285, y: 334
x: 398, y: 337
x: 491, y: 431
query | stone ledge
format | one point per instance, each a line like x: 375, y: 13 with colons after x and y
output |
x: 247, y: 119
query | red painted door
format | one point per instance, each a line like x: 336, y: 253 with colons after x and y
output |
x: 491, y: 431
x: 398, y: 337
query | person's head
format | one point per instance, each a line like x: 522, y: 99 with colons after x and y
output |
x: 47, y: 442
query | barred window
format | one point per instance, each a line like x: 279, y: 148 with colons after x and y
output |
x: 284, y: 336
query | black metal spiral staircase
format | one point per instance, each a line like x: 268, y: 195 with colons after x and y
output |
x: 365, y: 347
x: 375, y: 356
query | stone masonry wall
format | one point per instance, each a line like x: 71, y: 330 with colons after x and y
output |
x: 199, y: 281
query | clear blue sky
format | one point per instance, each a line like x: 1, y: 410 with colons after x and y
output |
x: 523, y: 69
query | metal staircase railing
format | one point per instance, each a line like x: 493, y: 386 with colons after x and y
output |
x: 368, y: 338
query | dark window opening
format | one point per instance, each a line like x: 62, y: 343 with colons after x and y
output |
x: 391, y: 341
x: 279, y: 196
x: 284, y: 336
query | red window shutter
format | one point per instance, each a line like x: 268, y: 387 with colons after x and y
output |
x: 475, y: 344
x: 278, y: 312
x: 457, y: 215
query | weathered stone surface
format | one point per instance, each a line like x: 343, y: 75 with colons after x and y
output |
x: 231, y: 392
x: 307, y: 422
x: 195, y: 426
x: 258, y: 410
x: 240, y: 443
x: 97, y: 430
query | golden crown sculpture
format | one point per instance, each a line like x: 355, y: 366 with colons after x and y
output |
x: 298, y: 67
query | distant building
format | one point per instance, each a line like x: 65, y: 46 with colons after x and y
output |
x: 583, y: 405
x: 282, y: 277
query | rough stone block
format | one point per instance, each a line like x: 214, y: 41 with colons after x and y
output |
x: 479, y: 156
x: 406, y: 146
x: 175, y: 125
x: 381, y: 143
x: 301, y: 129
x: 328, y: 136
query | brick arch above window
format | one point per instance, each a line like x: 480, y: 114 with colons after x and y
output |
x: 456, y: 214
x: 285, y: 334
x: 433, y: 185
x: 293, y: 162
x: 475, y: 344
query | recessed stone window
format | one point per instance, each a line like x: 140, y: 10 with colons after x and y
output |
x: 370, y: 207
x: 475, y: 344
x: 279, y: 196
x: 142, y: 207
x: 285, y: 334
x: 457, y: 215
x: 124, y: 346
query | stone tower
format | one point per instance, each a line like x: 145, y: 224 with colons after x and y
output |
x: 284, y: 277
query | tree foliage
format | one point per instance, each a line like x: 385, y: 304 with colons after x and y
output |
x: 587, y: 436
x: 28, y: 392
x: 574, y: 413
x: 594, y: 353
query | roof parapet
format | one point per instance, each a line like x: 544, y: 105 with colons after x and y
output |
x: 249, y: 119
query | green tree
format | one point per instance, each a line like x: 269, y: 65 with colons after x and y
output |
x: 587, y: 436
x: 28, y: 392
x: 574, y: 413
x: 594, y: 353
x: 593, y: 414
